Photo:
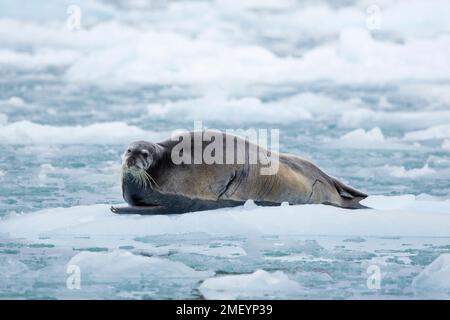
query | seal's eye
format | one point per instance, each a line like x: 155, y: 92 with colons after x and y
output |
x: 145, y: 153
x: 129, y: 151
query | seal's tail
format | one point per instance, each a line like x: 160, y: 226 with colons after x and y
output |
x: 350, y: 197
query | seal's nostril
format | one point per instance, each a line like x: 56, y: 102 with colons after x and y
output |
x: 131, y: 161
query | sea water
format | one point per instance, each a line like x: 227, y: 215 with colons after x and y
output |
x: 367, y: 103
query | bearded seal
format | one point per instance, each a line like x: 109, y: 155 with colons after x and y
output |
x: 153, y: 183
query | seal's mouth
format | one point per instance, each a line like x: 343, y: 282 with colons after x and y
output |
x: 139, y: 176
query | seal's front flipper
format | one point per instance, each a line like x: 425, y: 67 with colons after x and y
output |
x: 140, y: 210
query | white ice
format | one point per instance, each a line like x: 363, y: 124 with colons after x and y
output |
x: 435, y: 277
x: 27, y: 132
x: 390, y: 216
x: 346, y: 51
x: 258, y: 285
x: 123, y: 264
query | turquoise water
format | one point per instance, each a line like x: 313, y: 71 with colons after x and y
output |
x: 75, y: 92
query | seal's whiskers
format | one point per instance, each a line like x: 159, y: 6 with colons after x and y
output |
x: 150, y: 178
x: 140, y: 177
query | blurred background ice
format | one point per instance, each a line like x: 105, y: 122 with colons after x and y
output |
x: 362, y: 88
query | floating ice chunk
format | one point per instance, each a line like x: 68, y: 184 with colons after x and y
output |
x: 125, y: 264
x: 182, y: 59
x: 27, y: 132
x: 391, y: 216
x: 370, y: 139
x: 304, y: 106
x: 401, y: 172
x: 233, y: 110
x: 435, y: 278
x: 360, y: 135
x: 13, y: 102
x: 436, y: 132
x: 258, y: 285
x: 367, y: 118
x: 16, y: 102
x: 428, y: 197
x: 189, y: 54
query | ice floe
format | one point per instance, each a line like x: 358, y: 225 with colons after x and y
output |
x: 293, y: 109
x: 230, y: 111
x: 260, y: 285
x: 355, y: 58
x: 409, y: 120
x: 390, y: 216
x: 435, y: 278
x: 434, y: 132
x: 121, y: 263
x: 12, y: 102
x: 368, y: 139
x: 345, y: 50
x: 27, y: 132
x: 401, y: 172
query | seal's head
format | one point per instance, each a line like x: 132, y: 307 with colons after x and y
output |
x: 139, y: 157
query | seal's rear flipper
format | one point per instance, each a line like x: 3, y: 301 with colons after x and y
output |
x: 350, y: 197
x: 140, y: 210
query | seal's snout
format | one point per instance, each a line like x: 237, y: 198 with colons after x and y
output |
x: 130, y: 162
x: 134, y: 162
